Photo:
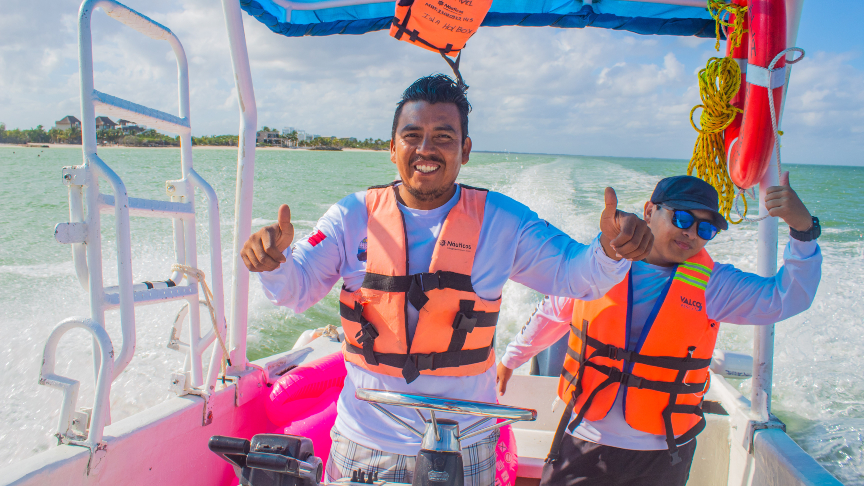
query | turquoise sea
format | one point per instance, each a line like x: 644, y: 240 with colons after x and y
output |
x: 818, y: 383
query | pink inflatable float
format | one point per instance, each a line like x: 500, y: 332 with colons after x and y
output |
x: 303, y: 401
x: 506, y: 460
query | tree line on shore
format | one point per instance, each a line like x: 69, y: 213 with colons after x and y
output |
x: 152, y: 138
x: 332, y: 143
x: 114, y: 136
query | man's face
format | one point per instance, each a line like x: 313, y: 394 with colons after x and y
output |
x: 672, y: 245
x: 428, y: 151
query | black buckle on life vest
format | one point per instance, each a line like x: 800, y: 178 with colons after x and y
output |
x: 430, y: 281
x: 425, y: 361
x: 617, y: 353
x: 464, y: 323
x: 366, y: 338
x: 633, y: 381
x: 367, y: 333
x: 625, y: 379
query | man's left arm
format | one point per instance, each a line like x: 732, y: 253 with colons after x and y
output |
x: 549, y: 261
x: 744, y: 298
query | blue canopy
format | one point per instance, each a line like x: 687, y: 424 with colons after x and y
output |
x: 637, y: 17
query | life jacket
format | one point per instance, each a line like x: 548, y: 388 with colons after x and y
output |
x: 666, y: 375
x: 455, y: 328
x: 442, y: 26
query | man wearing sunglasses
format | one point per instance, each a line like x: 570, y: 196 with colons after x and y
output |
x: 636, y: 361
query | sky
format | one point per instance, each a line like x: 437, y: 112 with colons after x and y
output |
x: 540, y: 90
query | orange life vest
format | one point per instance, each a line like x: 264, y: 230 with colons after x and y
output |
x: 455, y: 328
x: 442, y: 26
x: 666, y: 375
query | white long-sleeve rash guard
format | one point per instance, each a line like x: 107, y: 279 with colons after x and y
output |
x: 731, y: 296
x: 514, y: 244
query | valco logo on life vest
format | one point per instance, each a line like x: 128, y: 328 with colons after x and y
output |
x: 454, y: 245
x: 691, y: 304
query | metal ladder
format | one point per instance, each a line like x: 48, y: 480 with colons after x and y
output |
x: 83, y: 233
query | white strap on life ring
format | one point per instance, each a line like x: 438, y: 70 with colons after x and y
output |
x: 764, y: 77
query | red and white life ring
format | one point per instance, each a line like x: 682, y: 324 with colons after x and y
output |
x: 750, y: 155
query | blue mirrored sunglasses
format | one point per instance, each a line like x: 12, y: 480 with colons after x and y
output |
x: 685, y: 219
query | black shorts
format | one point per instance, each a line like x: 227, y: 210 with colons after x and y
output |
x: 586, y: 463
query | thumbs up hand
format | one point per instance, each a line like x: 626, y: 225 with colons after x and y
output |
x: 262, y: 252
x: 783, y: 202
x: 623, y: 235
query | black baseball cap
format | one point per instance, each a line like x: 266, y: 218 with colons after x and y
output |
x: 688, y: 192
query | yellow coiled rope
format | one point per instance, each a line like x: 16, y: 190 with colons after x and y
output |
x: 719, y: 82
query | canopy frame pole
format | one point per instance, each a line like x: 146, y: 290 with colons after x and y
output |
x: 766, y: 259
x: 245, y: 179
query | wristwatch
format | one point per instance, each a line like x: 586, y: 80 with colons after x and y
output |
x: 808, y: 235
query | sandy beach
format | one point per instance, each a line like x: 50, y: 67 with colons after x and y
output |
x: 196, y: 147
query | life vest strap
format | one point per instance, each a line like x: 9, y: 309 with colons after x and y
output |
x: 696, y: 429
x: 414, y: 35
x: 441, y: 279
x: 668, y: 362
x: 466, y: 320
x: 558, y: 438
x: 367, y: 334
x: 673, y: 407
x: 413, y: 364
x: 633, y: 381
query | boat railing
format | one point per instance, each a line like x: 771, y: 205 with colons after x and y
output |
x: 73, y: 426
x: 84, y: 233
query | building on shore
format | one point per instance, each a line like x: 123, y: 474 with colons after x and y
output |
x: 269, y: 137
x: 67, y: 123
x: 104, y: 123
x: 130, y: 126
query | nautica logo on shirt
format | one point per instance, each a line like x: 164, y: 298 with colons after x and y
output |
x: 691, y: 304
x: 454, y: 245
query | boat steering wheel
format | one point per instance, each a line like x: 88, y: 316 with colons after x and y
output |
x: 440, y: 459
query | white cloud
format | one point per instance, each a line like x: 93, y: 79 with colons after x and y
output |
x: 583, y: 91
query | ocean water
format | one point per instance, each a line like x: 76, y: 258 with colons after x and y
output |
x: 818, y: 383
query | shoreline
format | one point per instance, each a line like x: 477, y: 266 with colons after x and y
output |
x: 206, y: 147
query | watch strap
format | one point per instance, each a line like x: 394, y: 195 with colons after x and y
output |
x: 814, y: 232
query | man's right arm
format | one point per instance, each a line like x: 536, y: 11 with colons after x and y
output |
x: 315, y: 263
x: 307, y: 275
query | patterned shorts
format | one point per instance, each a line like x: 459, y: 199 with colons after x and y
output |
x: 347, y: 456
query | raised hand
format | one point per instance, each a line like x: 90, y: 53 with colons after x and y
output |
x: 262, y: 252
x: 623, y: 235
x: 783, y: 202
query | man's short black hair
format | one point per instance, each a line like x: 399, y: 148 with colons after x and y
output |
x: 436, y: 88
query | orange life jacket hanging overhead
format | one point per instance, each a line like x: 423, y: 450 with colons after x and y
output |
x: 442, y: 26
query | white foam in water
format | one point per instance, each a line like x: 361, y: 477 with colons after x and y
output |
x: 818, y: 386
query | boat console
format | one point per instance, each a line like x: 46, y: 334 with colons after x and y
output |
x: 287, y: 460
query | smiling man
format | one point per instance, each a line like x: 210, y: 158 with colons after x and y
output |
x: 423, y: 262
x: 636, y: 367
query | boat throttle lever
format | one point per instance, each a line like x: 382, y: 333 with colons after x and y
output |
x: 270, y: 459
